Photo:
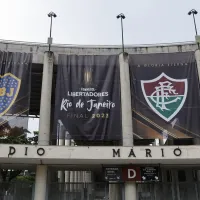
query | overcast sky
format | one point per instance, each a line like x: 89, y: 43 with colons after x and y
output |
x: 94, y: 21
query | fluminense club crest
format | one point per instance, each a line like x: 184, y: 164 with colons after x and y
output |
x: 9, y: 89
x: 165, y: 95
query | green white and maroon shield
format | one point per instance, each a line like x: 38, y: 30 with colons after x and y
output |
x: 165, y: 95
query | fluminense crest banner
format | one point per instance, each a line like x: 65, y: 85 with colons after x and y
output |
x: 88, y: 98
x: 15, y: 80
x: 165, y: 95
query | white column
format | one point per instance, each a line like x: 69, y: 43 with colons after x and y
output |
x: 114, y: 192
x: 127, y: 127
x: 44, y: 124
x: 45, y: 103
x: 40, y: 184
x: 130, y: 191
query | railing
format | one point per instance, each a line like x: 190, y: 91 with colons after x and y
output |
x: 145, y: 191
x: 16, y: 191
x: 78, y: 191
x: 169, y: 191
x: 100, y: 191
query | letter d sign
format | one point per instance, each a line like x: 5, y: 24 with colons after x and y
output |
x: 131, y: 173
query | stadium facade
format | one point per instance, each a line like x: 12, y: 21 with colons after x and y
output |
x: 148, y: 159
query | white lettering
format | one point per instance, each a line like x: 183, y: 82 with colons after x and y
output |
x: 131, y: 173
x: 65, y: 104
x: 79, y: 104
x: 92, y: 104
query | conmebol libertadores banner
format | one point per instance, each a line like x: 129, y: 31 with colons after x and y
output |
x: 15, y: 80
x: 88, y: 98
x: 165, y: 95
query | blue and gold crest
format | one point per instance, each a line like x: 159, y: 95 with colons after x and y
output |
x: 9, y: 89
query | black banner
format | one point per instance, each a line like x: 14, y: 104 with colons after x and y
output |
x: 113, y: 174
x: 15, y: 77
x: 149, y: 173
x: 88, y: 98
x: 165, y: 95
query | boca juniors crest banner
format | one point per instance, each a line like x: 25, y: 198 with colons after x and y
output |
x: 165, y: 95
x: 15, y: 71
x: 88, y: 98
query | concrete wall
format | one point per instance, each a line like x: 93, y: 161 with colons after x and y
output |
x: 99, y: 155
x: 38, y: 49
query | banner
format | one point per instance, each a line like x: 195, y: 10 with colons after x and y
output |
x: 165, y: 95
x: 88, y: 98
x: 15, y: 77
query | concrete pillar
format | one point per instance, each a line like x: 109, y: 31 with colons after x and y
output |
x: 130, y: 191
x: 40, y: 184
x: 45, y: 103
x: 127, y: 126
x: 44, y: 124
x: 114, y: 192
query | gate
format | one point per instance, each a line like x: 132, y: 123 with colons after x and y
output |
x: 168, y: 191
x: 80, y: 191
x: 16, y: 190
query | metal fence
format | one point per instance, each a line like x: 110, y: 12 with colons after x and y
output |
x: 78, y: 191
x: 145, y: 191
x: 16, y: 191
x: 169, y: 191
x: 100, y: 191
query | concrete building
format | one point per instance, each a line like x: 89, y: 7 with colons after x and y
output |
x: 64, y: 171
